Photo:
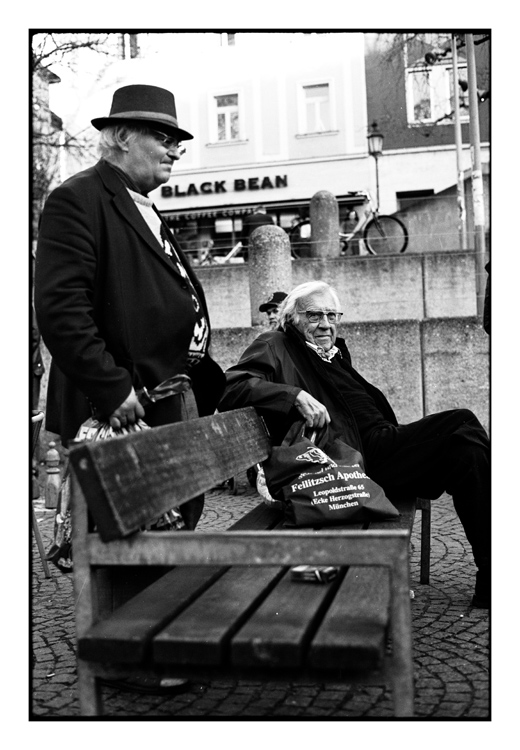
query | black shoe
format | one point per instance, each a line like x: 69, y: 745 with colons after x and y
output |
x: 149, y: 685
x: 482, y: 596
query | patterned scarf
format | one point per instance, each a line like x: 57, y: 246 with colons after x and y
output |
x: 199, y: 341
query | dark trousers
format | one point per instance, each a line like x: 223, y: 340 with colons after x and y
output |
x: 445, y: 452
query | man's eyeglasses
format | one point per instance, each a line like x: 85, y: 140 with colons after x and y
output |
x: 314, y: 316
x: 167, y: 141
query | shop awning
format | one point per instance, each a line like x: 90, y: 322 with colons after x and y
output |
x: 214, y: 212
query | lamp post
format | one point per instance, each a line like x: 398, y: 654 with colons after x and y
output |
x: 375, y: 149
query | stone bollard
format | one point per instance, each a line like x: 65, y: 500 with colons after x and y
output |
x: 53, y: 482
x: 270, y: 268
x: 324, y: 216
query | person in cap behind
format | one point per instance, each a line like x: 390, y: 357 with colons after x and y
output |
x: 117, y: 303
x: 270, y: 308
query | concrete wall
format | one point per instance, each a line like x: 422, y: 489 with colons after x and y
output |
x: 433, y: 222
x: 421, y: 366
x: 404, y: 287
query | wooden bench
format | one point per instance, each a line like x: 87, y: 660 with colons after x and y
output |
x: 227, y: 607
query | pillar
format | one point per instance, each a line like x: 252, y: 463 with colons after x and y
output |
x: 270, y: 267
x: 324, y: 216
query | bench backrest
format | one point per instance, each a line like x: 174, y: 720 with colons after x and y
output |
x: 131, y: 480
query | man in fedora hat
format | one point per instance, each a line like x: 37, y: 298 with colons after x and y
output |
x: 117, y: 302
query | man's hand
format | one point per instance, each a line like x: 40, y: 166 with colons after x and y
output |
x: 313, y: 411
x: 127, y: 413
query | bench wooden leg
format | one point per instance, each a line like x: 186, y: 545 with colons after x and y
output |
x: 401, y: 632
x: 426, y: 516
x: 89, y: 691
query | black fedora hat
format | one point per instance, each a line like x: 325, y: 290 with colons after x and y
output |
x: 147, y: 104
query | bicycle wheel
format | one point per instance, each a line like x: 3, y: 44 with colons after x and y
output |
x: 385, y: 235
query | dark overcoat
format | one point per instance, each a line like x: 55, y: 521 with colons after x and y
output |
x: 273, y: 370
x: 112, y: 309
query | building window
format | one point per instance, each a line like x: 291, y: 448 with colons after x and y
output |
x: 430, y: 95
x: 227, y: 118
x: 315, y: 110
x: 227, y: 40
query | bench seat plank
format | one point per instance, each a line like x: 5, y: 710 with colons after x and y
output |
x: 261, y: 517
x: 276, y: 635
x: 125, y: 636
x: 353, y: 632
x: 201, y: 634
x: 406, y: 507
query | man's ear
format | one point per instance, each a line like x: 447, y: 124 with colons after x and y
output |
x: 122, y: 136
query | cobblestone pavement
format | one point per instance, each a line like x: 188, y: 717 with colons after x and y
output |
x: 451, y: 643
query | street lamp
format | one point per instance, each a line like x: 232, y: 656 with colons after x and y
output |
x: 375, y: 149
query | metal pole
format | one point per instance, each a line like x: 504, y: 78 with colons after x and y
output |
x: 458, y: 146
x: 377, y: 181
x: 476, y: 177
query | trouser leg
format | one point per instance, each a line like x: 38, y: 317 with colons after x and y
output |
x: 445, y: 452
x: 469, y: 484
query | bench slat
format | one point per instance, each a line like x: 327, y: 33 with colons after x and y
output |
x: 353, y: 631
x: 261, y: 517
x: 277, y: 633
x: 130, y: 481
x: 124, y: 637
x: 125, y: 634
x: 201, y: 633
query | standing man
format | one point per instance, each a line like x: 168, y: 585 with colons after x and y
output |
x: 117, y: 302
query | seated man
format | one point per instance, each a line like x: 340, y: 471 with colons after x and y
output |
x: 305, y: 370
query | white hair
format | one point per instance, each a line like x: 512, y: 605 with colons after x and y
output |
x: 112, y: 136
x: 288, y: 312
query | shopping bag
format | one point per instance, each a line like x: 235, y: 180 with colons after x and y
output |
x: 322, y: 486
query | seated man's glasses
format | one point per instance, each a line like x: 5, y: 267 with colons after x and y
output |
x: 314, y: 316
x: 168, y: 141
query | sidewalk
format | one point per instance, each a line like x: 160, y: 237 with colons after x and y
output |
x: 451, y: 643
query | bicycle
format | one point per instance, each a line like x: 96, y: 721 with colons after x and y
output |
x: 378, y: 233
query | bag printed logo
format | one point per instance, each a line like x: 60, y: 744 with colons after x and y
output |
x: 316, y: 456
x: 334, y: 495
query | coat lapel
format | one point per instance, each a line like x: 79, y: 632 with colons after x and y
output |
x: 126, y: 207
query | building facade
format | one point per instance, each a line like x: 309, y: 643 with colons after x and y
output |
x: 279, y: 116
